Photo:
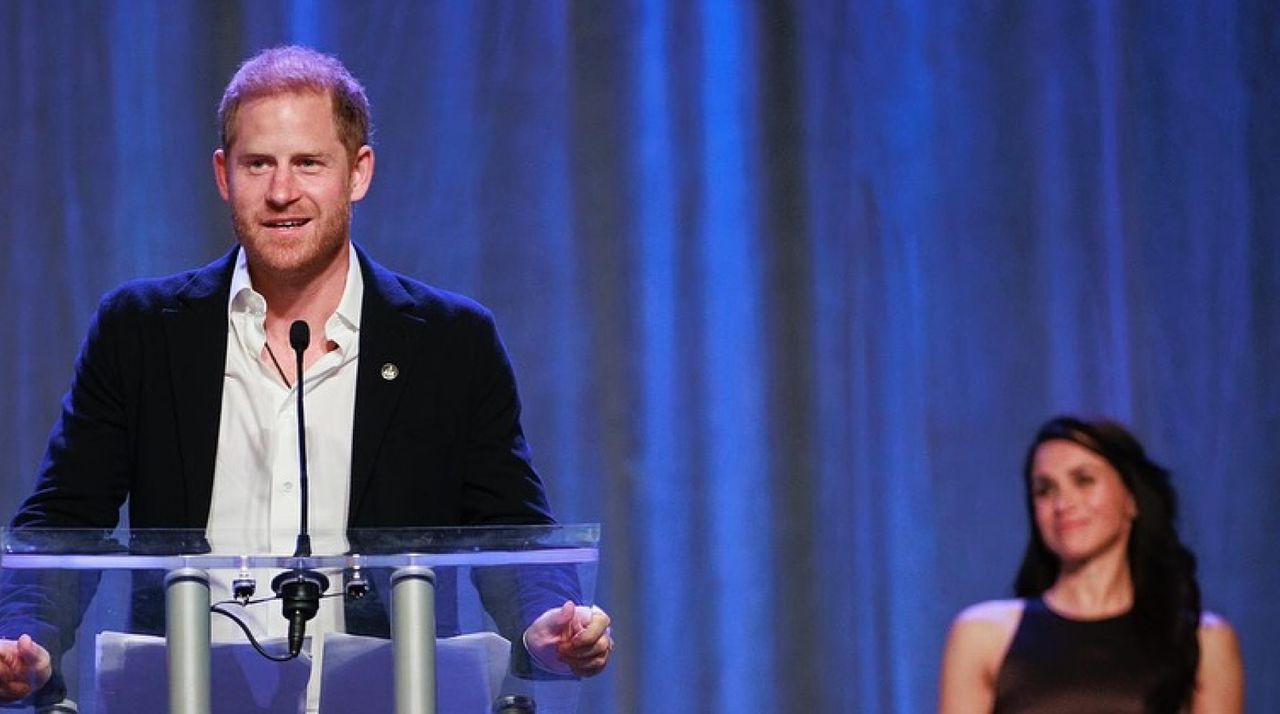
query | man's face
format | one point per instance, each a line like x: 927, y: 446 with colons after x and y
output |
x: 290, y: 184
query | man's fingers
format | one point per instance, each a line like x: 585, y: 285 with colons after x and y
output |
x: 564, y: 616
x: 595, y: 629
x: 590, y: 664
x: 12, y: 654
x: 587, y: 649
x: 29, y: 651
x: 555, y: 621
x: 24, y: 666
x: 589, y: 656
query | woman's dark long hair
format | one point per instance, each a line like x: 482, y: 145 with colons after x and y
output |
x: 1166, y: 595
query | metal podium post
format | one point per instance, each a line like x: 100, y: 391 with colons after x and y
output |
x: 413, y: 639
x: 186, y: 616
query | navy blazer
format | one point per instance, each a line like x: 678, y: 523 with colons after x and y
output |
x: 439, y: 445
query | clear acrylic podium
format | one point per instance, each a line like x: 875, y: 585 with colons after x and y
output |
x: 437, y: 627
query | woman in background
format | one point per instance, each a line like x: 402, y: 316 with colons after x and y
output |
x: 1108, y: 615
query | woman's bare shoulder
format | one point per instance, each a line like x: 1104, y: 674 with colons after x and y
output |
x: 988, y: 626
x: 1217, y: 638
x: 1004, y: 613
x: 1213, y: 621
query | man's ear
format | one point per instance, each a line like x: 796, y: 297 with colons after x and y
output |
x: 361, y: 172
x: 220, y: 173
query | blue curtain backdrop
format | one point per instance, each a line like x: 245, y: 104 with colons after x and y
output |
x: 788, y: 286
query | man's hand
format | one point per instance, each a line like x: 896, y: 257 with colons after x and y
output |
x: 571, y: 639
x: 24, y: 668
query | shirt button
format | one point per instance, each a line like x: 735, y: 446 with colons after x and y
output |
x: 288, y: 486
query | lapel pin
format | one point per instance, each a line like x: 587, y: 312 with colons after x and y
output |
x: 390, y: 371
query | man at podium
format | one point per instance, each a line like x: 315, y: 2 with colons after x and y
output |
x: 180, y: 404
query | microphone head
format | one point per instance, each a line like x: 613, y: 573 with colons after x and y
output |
x: 299, y: 335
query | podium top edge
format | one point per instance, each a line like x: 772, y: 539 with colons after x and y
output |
x: 374, y: 547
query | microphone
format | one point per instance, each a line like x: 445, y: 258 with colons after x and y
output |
x: 300, y: 588
x: 299, y: 338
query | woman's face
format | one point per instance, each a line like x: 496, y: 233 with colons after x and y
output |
x: 1082, y: 507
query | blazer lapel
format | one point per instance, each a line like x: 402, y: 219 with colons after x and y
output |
x: 196, y: 333
x: 389, y: 339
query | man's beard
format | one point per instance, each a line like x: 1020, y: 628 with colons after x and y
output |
x: 299, y: 260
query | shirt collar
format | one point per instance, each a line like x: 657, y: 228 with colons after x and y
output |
x: 244, y: 299
x: 344, y: 322
x: 352, y: 296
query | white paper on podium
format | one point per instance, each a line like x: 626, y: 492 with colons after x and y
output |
x: 132, y: 676
x: 357, y: 673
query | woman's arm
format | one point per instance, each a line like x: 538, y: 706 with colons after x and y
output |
x: 979, y: 638
x: 1220, y: 677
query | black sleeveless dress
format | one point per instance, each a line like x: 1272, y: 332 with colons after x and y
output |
x: 1057, y: 666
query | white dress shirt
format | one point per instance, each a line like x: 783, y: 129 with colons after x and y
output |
x: 255, y: 504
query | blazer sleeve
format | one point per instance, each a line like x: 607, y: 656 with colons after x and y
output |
x: 84, y: 476
x: 501, y: 485
x: 82, y: 483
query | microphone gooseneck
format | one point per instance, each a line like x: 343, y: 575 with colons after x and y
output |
x: 300, y: 589
x: 299, y: 339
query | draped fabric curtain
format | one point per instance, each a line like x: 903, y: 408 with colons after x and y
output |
x: 788, y: 286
